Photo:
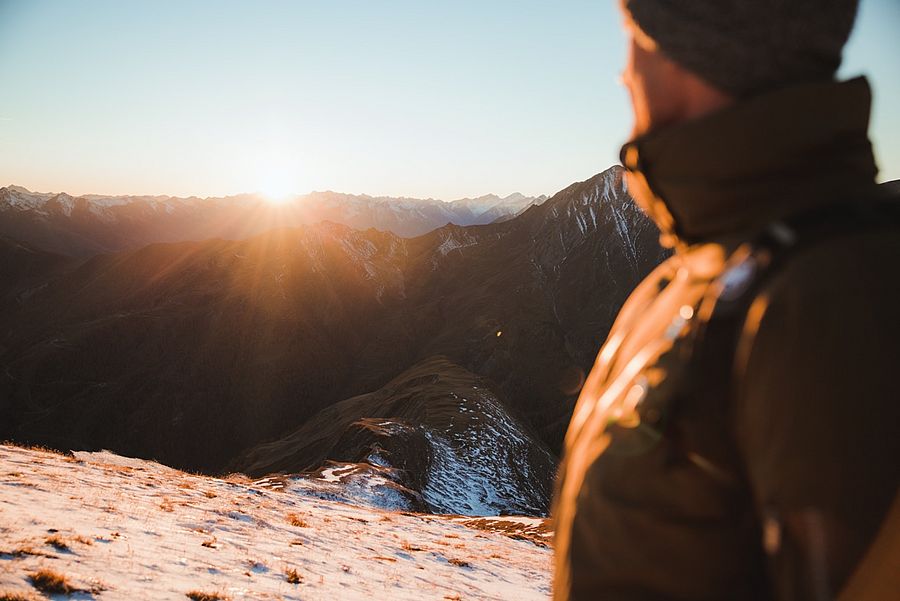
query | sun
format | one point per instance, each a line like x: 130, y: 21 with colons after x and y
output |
x: 277, y: 187
x: 276, y: 193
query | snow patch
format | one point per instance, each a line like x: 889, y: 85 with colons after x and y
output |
x: 138, y: 530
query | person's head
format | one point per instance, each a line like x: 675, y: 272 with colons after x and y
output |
x: 687, y: 58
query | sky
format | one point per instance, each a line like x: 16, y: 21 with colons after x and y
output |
x: 399, y: 98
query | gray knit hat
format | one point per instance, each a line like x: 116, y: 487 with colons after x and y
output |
x: 748, y: 46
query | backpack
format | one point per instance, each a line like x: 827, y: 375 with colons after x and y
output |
x: 721, y: 342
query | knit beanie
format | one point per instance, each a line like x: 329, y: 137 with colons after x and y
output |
x: 744, y: 47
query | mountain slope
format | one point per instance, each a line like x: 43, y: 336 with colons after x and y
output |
x: 133, y: 351
x: 130, y: 529
x: 22, y: 267
x: 436, y: 430
x: 549, y: 282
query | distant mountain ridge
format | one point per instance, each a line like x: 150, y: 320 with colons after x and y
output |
x: 91, y: 224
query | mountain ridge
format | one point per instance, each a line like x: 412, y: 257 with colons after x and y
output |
x: 90, y: 224
x: 426, y: 430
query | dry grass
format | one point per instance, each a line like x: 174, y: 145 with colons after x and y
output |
x: 257, y: 566
x: 295, y: 520
x: 293, y: 576
x: 26, y: 550
x: 166, y: 505
x: 210, y: 494
x: 237, y: 478
x: 538, y: 534
x: 409, y: 547
x: 83, y: 540
x: 57, y: 542
x: 35, y: 447
x: 459, y: 562
x: 48, y: 581
x: 210, y: 543
x: 115, y: 470
x: 201, y: 596
x: 383, y: 558
x: 19, y: 552
x: 15, y: 596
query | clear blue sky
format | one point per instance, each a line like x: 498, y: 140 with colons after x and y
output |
x: 416, y: 98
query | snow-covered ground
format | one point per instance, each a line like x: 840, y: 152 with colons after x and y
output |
x: 122, y: 528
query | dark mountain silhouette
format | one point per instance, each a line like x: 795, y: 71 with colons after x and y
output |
x: 194, y: 352
x: 87, y: 225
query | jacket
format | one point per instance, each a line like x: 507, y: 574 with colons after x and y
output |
x: 738, y: 435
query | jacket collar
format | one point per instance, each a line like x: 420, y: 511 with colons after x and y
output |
x: 755, y: 161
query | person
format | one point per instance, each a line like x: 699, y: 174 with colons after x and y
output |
x: 737, y: 437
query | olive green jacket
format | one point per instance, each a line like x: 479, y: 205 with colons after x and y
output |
x: 734, y: 442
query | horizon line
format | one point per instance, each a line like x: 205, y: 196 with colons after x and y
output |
x: 260, y: 194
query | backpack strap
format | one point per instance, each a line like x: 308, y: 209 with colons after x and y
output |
x: 723, y: 312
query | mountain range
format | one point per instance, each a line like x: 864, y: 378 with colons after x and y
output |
x: 438, y: 361
x: 86, y: 225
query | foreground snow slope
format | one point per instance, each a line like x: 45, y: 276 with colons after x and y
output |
x: 132, y: 529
